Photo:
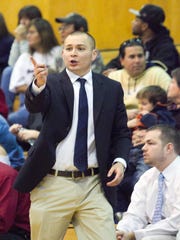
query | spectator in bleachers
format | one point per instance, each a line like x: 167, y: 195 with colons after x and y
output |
x: 6, y: 40
x: 9, y: 143
x: 4, y: 158
x: 174, y: 95
x: 19, y: 46
x: 14, y: 206
x: 44, y: 47
x: 159, y: 45
x: 3, y: 105
x: 152, y: 102
x: 136, y: 73
x: 75, y: 22
x: 146, y: 217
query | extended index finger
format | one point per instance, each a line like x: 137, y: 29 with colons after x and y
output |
x: 33, y: 61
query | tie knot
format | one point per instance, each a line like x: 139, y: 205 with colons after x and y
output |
x: 81, y: 80
x: 161, y: 177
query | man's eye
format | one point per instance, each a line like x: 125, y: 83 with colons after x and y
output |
x: 81, y: 49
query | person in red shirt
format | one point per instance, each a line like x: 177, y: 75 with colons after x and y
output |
x: 14, y: 207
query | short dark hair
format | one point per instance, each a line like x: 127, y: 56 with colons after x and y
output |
x: 29, y: 12
x: 90, y: 37
x: 168, y: 134
x: 45, y: 30
x: 130, y: 43
x: 4, y: 30
x: 154, y: 94
x: 176, y: 75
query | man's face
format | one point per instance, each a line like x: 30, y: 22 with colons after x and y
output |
x: 138, y: 27
x: 78, y: 54
x: 174, y: 92
x: 65, y: 30
x: 134, y: 60
x: 154, y: 151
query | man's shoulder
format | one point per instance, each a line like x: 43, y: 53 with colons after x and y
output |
x: 104, y: 79
x: 156, y: 70
x: 116, y: 74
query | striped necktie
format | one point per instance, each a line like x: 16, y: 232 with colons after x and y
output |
x: 80, y: 150
x: 159, y: 202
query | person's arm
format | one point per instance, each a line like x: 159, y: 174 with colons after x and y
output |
x: 8, y: 203
x: 17, y: 49
x: 22, y: 133
x: 120, y: 235
x: 19, y: 46
x: 121, y: 142
x: 19, y: 74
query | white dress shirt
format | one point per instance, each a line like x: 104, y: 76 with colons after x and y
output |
x: 140, y: 211
x: 65, y: 149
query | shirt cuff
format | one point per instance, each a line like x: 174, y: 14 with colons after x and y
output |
x: 35, y: 89
x: 121, y: 160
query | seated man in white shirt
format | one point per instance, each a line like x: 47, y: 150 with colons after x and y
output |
x: 178, y: 236
x: 160, y: 151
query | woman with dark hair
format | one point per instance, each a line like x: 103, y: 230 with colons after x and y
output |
x: 29, y: 12
x: 6, y: 40
x: 19, y: 46
x: 44, y: 48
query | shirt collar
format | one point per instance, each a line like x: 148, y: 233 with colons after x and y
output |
x: 73, y: 77
x: 167, y: 173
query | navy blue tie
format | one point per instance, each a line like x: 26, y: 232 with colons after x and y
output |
x: 80, y: 150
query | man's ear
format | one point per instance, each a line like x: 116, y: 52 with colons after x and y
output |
x: 121, y: 60
x: 94, y: 54
x: 144, y: 26
x: 169, y: 147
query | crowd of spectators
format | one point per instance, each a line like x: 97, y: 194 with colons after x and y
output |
x: 148, y: 69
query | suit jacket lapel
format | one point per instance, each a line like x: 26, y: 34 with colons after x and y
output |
x: 98, y: 95
x: 68, y: 91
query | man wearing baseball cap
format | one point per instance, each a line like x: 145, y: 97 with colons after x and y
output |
x: 148, y: 25
x: 159, y: 45
x: 75, y: 22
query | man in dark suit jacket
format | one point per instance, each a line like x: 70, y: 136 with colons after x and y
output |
x: 60, y: 193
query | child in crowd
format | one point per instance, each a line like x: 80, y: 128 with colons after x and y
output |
x: 152, y: 103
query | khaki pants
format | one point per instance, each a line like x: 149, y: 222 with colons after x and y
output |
x: 57, y: 201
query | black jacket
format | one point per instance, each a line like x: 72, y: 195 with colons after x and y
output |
x: 112, y: 136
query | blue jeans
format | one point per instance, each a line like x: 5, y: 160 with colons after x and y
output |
x: 5, y: 80
x: 10, y: 96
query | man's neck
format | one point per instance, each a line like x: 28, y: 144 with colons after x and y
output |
x: 166, y: 162
x: 147, y: 36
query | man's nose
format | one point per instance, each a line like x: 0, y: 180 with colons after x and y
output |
x: 74, y: 51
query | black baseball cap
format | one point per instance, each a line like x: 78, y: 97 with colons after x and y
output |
x: 152, y: 14
x: 76, y: 19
